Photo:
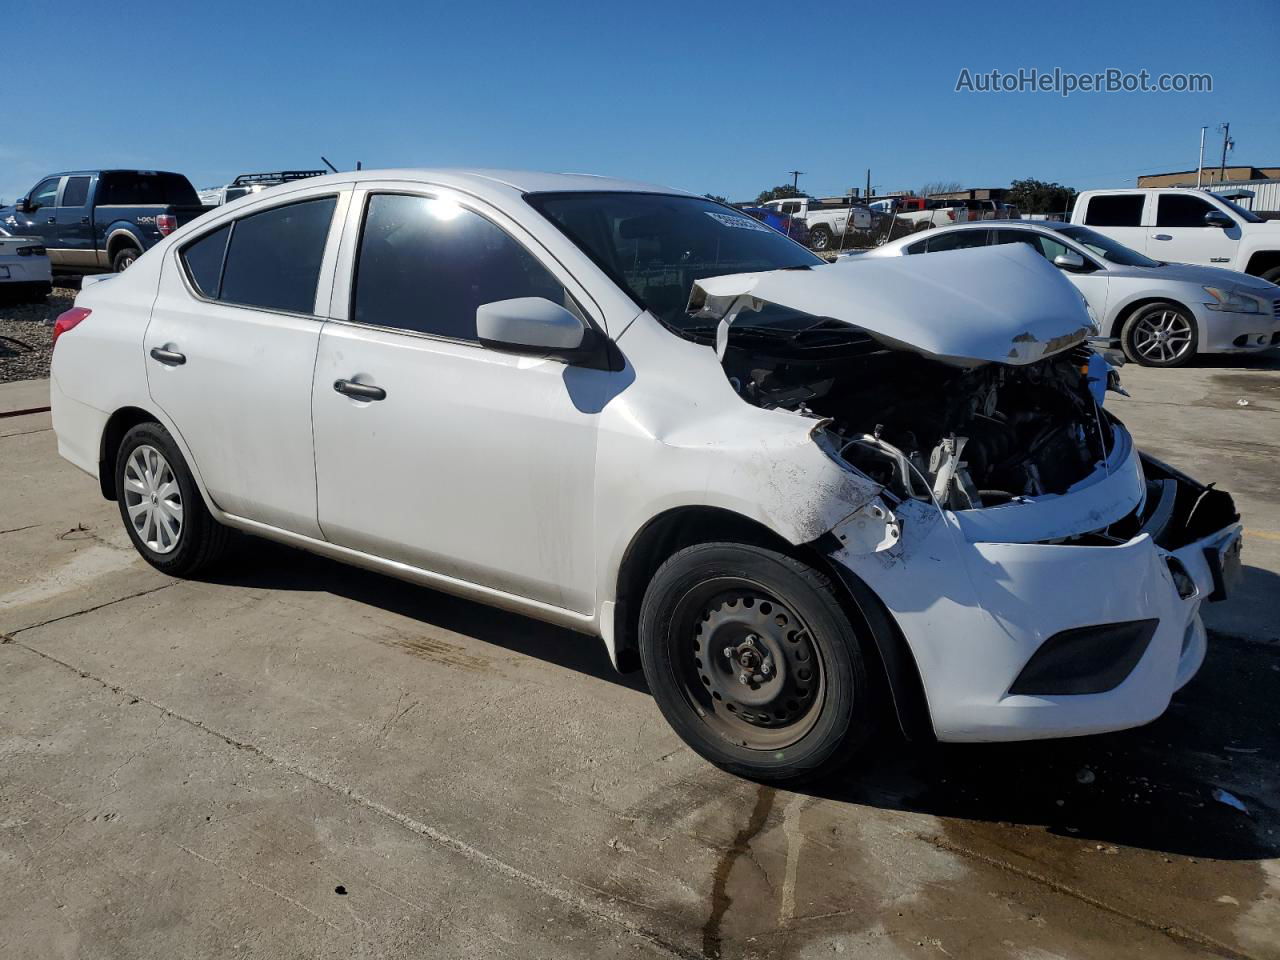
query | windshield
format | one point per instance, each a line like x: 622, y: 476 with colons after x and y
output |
x: 1107, y: 248
x: 1248, y: 215
x: 656, y: 246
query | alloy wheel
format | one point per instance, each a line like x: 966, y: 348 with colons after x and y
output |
x: 1162, y: 337
x: 153, y: 499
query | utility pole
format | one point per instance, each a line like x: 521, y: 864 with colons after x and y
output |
x: 867, y: 195
x: 1226, y: 145
x: 795, y: 179
x: 1200, y: 166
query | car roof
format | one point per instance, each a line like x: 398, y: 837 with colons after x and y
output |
x: 483, y: 180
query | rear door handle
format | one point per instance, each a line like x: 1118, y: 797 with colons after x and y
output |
x: 84, y: 219
x: 359, y: 391
x: 170, y: 358
x: 52, y: 220
x: 1161, y: 236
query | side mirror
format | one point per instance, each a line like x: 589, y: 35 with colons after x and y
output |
x: 24, y: 205
x: 535, y: 326
x: 1069, y: 260
x: 1216, y: 218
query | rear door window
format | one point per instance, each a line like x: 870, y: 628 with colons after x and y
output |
x: 273, y: 259
x: 1115, y: 210
x: 958, y: 240
x: 75, y: 192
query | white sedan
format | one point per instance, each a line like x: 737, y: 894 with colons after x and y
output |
x: 25, y: 273
x: 1162, y: 314
x: 790, y: 491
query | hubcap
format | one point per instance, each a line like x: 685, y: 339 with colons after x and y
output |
x: 1162, y: 337
x: 152, y: 499
x: 749, y: 666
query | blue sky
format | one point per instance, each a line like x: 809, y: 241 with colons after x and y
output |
x: 710, y: 97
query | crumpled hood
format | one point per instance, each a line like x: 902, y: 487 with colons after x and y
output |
x: 1003, y: 304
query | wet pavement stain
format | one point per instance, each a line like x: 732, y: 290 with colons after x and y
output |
x: 721, y: 901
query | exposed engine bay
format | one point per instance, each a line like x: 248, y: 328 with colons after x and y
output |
x: 966, y: 437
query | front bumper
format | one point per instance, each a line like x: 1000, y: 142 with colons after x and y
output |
x: 975, y: 611
x: 1225, y: 332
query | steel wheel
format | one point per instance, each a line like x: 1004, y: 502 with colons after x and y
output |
x: 153, y: 499
x: 1162, y: 337
x: 748, y: 666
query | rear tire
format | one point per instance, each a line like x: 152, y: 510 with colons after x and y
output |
x: 715, y: 613
x: 124, y: 258
x: 820, y: 237
x: 1160, y: 334
x: 162, y: 507
x: 1272, y: 275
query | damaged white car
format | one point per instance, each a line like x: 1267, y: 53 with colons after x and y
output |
x: 804, y: 498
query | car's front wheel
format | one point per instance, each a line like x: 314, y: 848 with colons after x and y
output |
x: 753, y: 662
x: 1160, y: 335
x: 161, y: 506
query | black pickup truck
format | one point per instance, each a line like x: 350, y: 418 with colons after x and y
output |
x: 93, y: 221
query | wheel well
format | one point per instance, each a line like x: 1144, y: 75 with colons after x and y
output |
x: 119, y: 241
x: 1263, y: 261
x: 1137, y: 305
x: 682, y: 527
x: 120, y: 423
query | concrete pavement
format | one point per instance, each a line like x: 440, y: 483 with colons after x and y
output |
x: 301, y: 759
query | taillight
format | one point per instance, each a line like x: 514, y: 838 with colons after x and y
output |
x: 31, y: 251
x: 68, y: 321
x: 166, y: 223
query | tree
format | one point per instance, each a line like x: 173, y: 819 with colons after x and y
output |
x: 1037, y: 196
x: 940, y: 186
x: 716, y: 197
x: 781, y: 192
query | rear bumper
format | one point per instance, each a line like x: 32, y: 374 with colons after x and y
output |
x: 78, y: 427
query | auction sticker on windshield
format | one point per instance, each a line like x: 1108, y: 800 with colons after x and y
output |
x: 740, y: 223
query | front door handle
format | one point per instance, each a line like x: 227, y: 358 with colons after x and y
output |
x: 52, y: 220
x: 1161, y: 236
x: 359, y: 391
x: 170, y: 358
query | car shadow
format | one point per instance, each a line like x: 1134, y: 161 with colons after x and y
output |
x: 1151, y: 788
x: 264, y: 564
x: 1264, y: 360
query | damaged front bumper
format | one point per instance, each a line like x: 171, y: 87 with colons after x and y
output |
x: 1035, y: 619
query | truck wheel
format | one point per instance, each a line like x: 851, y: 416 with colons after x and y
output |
x: 754, y: 663
x: 1160, y: 334
x: 161, y: 506
x: 1272, y: 275
x: 124, y: 258
x: 820, y: 237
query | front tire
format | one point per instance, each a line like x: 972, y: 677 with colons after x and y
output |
x: 1160, y: 334
x: 754, y: 663
x: 820, y: 237
x: 1272, y: 275
x: 161, y: 506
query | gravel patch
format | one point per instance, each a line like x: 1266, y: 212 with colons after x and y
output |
x: 26, y: 335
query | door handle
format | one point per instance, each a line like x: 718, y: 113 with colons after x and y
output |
x: 84, y: 220
x: 1161, y: 236
x: 359, y: 391
x: 52, y: 220
x: 170, y: 358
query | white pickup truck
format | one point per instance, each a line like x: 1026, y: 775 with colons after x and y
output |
x: 1184, y: 225
x: 826, y: 224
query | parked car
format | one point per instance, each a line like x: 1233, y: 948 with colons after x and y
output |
x: 784, y: 223
x: 248, y: 183
x: 827, y: 224
x: 96, y: 220
x: 1184, y: 225
x: 781, y: 487
x: 1163, y: 314
x: 24, y: 268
